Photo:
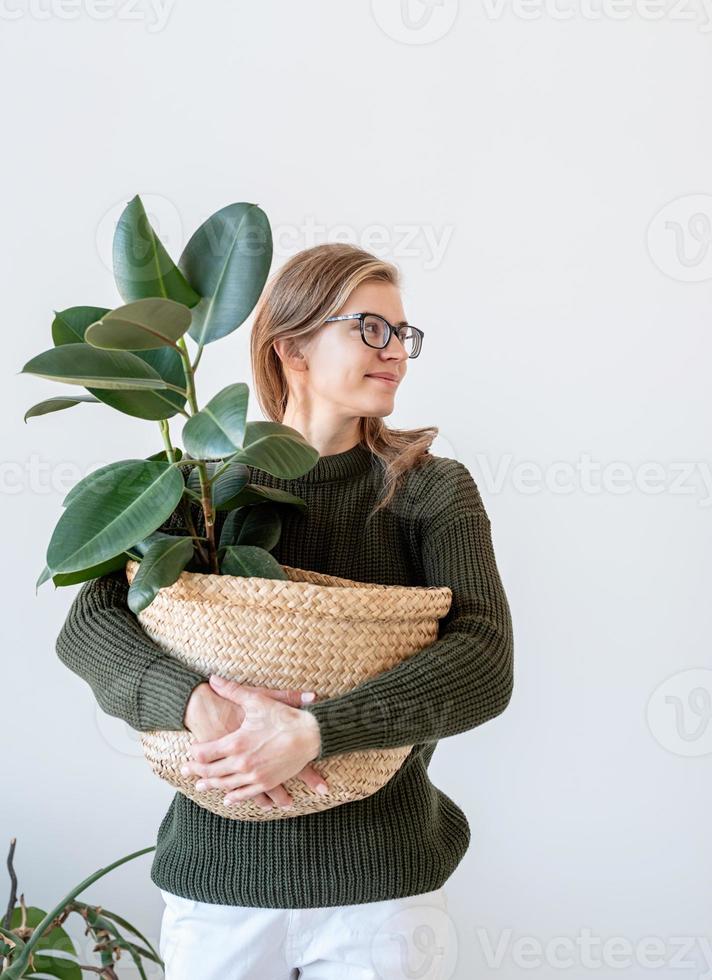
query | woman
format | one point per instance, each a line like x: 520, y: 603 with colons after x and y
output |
x: 346, y: 891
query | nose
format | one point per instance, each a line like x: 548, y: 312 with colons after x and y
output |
x: 396, y: 348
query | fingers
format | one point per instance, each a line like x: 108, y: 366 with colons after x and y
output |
x: 293, y: 697
x: 313, y: 779
x: 225, y: 783
x: 280, y: 796
x: 263, y: 800
x: 221, y: 767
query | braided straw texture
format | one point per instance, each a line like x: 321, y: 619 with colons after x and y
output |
x: 310, y: 632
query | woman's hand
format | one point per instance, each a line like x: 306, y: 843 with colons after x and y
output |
x: 209, y: 717
x: 274, y: 742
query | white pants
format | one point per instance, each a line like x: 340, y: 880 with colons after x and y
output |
x: 389, y: 940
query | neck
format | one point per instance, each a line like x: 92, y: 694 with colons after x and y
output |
x: 328, y: 436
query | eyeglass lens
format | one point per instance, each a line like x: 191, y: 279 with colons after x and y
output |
x: 375, y: 330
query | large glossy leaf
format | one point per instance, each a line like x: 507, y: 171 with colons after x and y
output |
x: 99, y: 480
x: 227, y: 260
x: 253, y: 493
x: 70, y: 326
x: 246, y: 561
x: 228, y: 484
x: 57, y: 404
x: 277, y: 449
x: 80, y: 364
x: 128, y: 504
x: 142, y: 266
x: 218, y: 429
x: 260, y: 526
x: 164, y: 560
x: 145, y: 324
x: 72, y: 578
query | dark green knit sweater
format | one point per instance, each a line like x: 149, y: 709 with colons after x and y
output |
x: 409, y: 836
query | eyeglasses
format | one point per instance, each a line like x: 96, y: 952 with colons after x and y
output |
x: 376, y: 331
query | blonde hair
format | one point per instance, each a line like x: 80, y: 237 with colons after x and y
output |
x: 312, y: 285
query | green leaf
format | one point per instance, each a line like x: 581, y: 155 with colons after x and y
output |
x: 247, y: 561
x: 163, y: 455
x: 130, y: 928
x: 99, y: 480
x: 260, y: 526
x: 229, y: 484
x: 127, y: 504
x: 218, y: 429
x: 227, y: 260
x: 277, y: 449
x: 161, y: 565
x: 145, y: 324
x: 57, y: 404
x: 55, y: 939
x: 54, y: 966
x: 253, y: 493
x: 71, y: 325
x: 142, y: 266
x: 72, y: 578
x: 80, y: 364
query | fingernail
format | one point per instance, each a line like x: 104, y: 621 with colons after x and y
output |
x: 308, y: 696
x: 200, y: 786
x: 322, y: 789
x: 184, y: 770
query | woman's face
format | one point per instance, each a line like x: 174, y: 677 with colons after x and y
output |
x: 338, y: 362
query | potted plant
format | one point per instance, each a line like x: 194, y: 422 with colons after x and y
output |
x: 188, y: 589
x: 31, y: 938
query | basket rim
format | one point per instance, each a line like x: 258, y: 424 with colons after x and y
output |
x: 275, y: 587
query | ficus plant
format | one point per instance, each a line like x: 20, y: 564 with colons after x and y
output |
x: 35, y: 943
x: 135, y: 359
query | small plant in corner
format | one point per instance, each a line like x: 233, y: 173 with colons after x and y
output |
x: 34, y: 943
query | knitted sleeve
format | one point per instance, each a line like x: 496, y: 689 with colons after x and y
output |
x: 132, y: 677
x: 465, y: 677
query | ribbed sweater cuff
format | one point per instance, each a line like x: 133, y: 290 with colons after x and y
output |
x: 340, y: 729
x: 163, y: 694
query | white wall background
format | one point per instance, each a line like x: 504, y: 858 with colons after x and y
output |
x: 542, y: 174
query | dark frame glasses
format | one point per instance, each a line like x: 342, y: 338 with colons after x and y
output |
x: 417, y: 334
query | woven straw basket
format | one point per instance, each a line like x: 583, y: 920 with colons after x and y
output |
x: 310, y: 632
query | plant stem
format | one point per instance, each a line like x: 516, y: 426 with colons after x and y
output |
x: 205, y: 489
x: 184, y: 501
x: 166, y: 433
x: 196, y: 362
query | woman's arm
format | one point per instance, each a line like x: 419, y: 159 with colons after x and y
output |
x: 465, y: 677
x: 132, y: 677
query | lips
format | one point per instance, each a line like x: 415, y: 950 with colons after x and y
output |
x: 382, y: 376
